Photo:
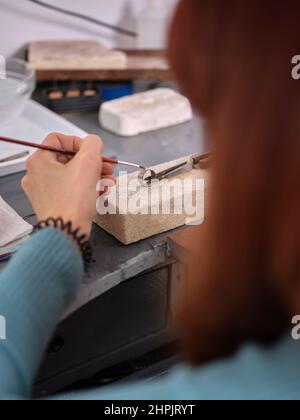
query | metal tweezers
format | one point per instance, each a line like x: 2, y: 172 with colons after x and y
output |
x: 150, y: 175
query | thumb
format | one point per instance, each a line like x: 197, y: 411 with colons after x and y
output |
x: 92, y: 146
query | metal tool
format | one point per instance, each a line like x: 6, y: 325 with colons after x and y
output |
x: 149, y: 175
x: 15, y: 157
x: 134, y: 165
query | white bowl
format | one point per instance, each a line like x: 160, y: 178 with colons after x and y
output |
x: 15, y: 89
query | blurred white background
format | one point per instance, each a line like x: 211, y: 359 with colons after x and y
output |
x: 22, y: 21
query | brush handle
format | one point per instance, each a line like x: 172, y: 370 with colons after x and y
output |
x: 50, y: 149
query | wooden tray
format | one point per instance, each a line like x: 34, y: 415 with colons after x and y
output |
x: 142, y: 65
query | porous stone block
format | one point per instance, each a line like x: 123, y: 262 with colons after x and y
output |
x: 75, y: 55
x: 134, y: 211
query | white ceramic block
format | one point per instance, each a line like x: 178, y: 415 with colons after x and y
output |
x: 143, y: 112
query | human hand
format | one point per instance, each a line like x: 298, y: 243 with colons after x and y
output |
x: 58, y: 186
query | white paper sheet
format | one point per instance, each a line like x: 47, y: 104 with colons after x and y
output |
x: 34, y: 125
x: 12, y: 226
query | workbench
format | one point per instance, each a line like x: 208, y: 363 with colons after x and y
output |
x: 122, y: 311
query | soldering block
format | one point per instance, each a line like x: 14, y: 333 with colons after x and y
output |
x: 134, y: 211
x: 143, y: 112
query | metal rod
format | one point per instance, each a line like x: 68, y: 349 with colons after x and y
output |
x: 134, y: 165
x: 14, y: 157
x: 86, y: 18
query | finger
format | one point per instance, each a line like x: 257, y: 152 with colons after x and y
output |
x: 107, y: 169
x: 91, y: 148
x: 69, y: 143
x: 61, y: 142
x: 64, y: 159
x: 111, y: 178
x: 24, y: 183
x: 92, y: 142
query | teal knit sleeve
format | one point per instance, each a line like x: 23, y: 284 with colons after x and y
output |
x: 35, y: 289
x: 43, y: 279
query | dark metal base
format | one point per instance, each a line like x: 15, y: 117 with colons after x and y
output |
x: 122, y: 325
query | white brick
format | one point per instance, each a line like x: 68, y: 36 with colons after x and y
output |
x: 143, y: 112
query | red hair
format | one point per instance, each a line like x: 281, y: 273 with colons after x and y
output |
x: 233, y: 60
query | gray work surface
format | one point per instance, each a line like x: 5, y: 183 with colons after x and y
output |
x: 115, y: 262
x: 146, y: 288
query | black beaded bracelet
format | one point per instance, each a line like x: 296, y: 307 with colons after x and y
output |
x: 82, y: 240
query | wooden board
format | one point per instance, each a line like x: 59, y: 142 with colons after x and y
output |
x: 141, y: 65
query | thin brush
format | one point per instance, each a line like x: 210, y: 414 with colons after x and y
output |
x: 65, y: 152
